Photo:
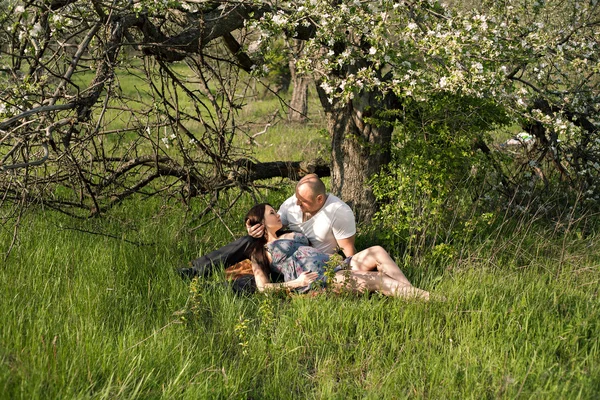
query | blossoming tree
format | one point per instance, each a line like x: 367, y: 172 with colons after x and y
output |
x: 536, y: 61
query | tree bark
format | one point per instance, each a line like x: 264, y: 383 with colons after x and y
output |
x: 359, y: 149
x: 299, y: 102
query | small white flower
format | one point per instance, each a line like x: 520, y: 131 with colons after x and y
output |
x: 411, y: 26
x: 279, y: 19
x: 19, y: 10
x: 37, y: 29
x: 372, y: 51
x: 172, y: 136
x: 326, y: 87
x: 443, y: 82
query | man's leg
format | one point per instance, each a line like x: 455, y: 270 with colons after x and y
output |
x: 226, y: 256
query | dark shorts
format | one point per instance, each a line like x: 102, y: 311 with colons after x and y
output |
x: 344, y: 265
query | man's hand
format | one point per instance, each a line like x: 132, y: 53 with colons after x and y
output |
x: 256, y: 231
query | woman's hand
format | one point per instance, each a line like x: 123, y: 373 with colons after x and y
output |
x: 306, y: 278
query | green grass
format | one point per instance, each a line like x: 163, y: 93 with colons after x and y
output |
x: 93, y: 309
x: 91, y: 316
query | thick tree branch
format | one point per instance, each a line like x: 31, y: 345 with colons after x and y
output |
x: 234, y: 47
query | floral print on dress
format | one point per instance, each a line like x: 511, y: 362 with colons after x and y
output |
x: 291, y: 257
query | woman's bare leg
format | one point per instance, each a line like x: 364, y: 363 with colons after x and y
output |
x: 377, y: 282
x: 376, y: 258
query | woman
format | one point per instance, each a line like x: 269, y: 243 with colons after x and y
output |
x: 290, y: 254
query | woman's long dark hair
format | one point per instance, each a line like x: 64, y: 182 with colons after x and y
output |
x: 258, y: 254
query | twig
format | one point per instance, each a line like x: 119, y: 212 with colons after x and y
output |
x: 261, y: 132
x: 526, y: 375
x: 107, y: 235
x: 16, y: 229
x: 37, y: 110
x: 153, y: 334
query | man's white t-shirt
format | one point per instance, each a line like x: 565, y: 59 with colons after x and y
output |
x: 335, y: 220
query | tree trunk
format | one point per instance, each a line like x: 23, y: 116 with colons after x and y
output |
x: 359, y: 149
x: 299, y: 103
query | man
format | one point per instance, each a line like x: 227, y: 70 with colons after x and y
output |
x: 326, y: 221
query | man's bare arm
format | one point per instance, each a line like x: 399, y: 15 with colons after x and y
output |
x: 347, y: 245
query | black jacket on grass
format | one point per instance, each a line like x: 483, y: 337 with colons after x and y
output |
x: 225, y: 257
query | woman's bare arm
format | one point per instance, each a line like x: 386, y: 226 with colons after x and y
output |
x: 264, y: 283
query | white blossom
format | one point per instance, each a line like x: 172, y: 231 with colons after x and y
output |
x: 37, y: 29
x: 279, y: 19
x: 326, y: 87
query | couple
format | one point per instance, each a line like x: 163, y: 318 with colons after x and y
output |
x: 324, y: 221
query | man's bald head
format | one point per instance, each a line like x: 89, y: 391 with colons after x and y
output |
x: 313, y: 183
x: 310, y: 194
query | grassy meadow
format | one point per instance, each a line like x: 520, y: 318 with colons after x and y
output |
x: 93, y: 309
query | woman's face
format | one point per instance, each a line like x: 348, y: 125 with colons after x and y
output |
x: 272, y: 219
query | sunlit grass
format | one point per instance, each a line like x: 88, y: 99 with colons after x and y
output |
x: 104, y: 316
